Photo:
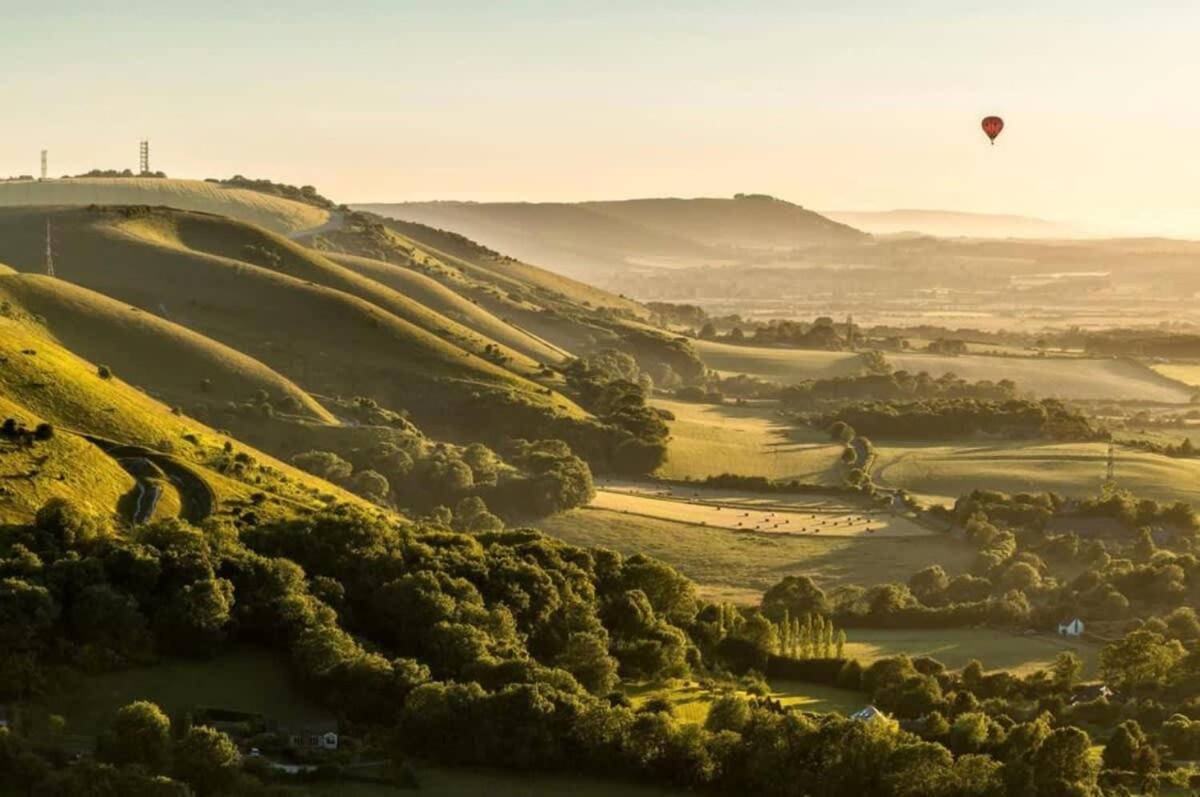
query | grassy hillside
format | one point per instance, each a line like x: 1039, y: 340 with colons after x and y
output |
x: 739, y: 566
x: 778, y: 365
x: 324, y: 339
x: 946, y: 471
x: 436, y: 296
x: 707, y: 440
x: 64, y: 467
x: 171, y: 362
x: 246, y: 243
x: 273, y: 213
x: 48, y: 383
x: 568, y: 315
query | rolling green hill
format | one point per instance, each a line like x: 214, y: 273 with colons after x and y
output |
x: 169, y: 361
x: 274, y: 213
x: 42, y: 381
x: 322, y: 338
x: 436, y: 296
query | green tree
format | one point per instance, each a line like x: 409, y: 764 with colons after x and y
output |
x: 140, y: 734
x: 586, y: 657
x: 1063, y: 765
x: 1143, y: 659
x: 1067, y: 669
x: 207, y: 760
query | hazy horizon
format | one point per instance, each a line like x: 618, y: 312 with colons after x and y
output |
x: 862, y: 108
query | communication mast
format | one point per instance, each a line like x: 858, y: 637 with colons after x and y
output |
x: 144, y: 156
x: 44, y: 154
x: 49, y: 252
x: 1110, y: 474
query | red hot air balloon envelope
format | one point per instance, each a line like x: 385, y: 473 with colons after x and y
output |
x: 992, y: 125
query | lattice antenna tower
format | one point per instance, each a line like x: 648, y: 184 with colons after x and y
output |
x: 144, y: 156
x: 45, y: 155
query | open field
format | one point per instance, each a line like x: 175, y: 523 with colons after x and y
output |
x: 766, y: 513
x: 778, y: 365
x: 275, y: 213
x: 954, y: 647
x: 1054, y: 377
x: 739, y: 566
x: 946, y: 471
x: 248, y: 679
x: 692, y: 702
x: 1188, y: 373
x: 710, y: 439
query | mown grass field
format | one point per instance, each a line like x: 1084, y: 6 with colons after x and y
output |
x: 778, y: 365
x: 710, y: 439
x: 823, y: 518
x: 945, y: 471
x: 954, y: 647
x: 272, y: 212
x: 1057, y: 377
x: 739, y: 566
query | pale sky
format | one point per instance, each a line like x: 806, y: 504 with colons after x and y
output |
x: 837, y: 105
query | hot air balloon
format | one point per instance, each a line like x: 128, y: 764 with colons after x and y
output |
x: 992, y: 125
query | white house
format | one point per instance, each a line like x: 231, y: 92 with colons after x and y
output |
x: 867, y: 714
x: 1073, y: 628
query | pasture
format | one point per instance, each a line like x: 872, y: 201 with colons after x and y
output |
x: 766, y: 513
x: 739, y: 566
x: 777, y: 365
x: 1053, y: 377
x: 944, y: 471
x: 691, y: 702
x: 711, y: 439
x: 997, y: 650
x: 1187, y: 373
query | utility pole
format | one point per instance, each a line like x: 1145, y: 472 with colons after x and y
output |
x: 49, y: 251
x: 44, y: 154
x: 1110, y: 474
x: 144, y: 156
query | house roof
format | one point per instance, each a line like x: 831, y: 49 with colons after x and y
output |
x: 867, y: 713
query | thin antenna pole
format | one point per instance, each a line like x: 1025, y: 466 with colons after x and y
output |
x: 49, y: 251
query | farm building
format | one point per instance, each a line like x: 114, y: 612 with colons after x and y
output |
x: 314, y: 737
x: 1073, y: 628
x: 868, y: 714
